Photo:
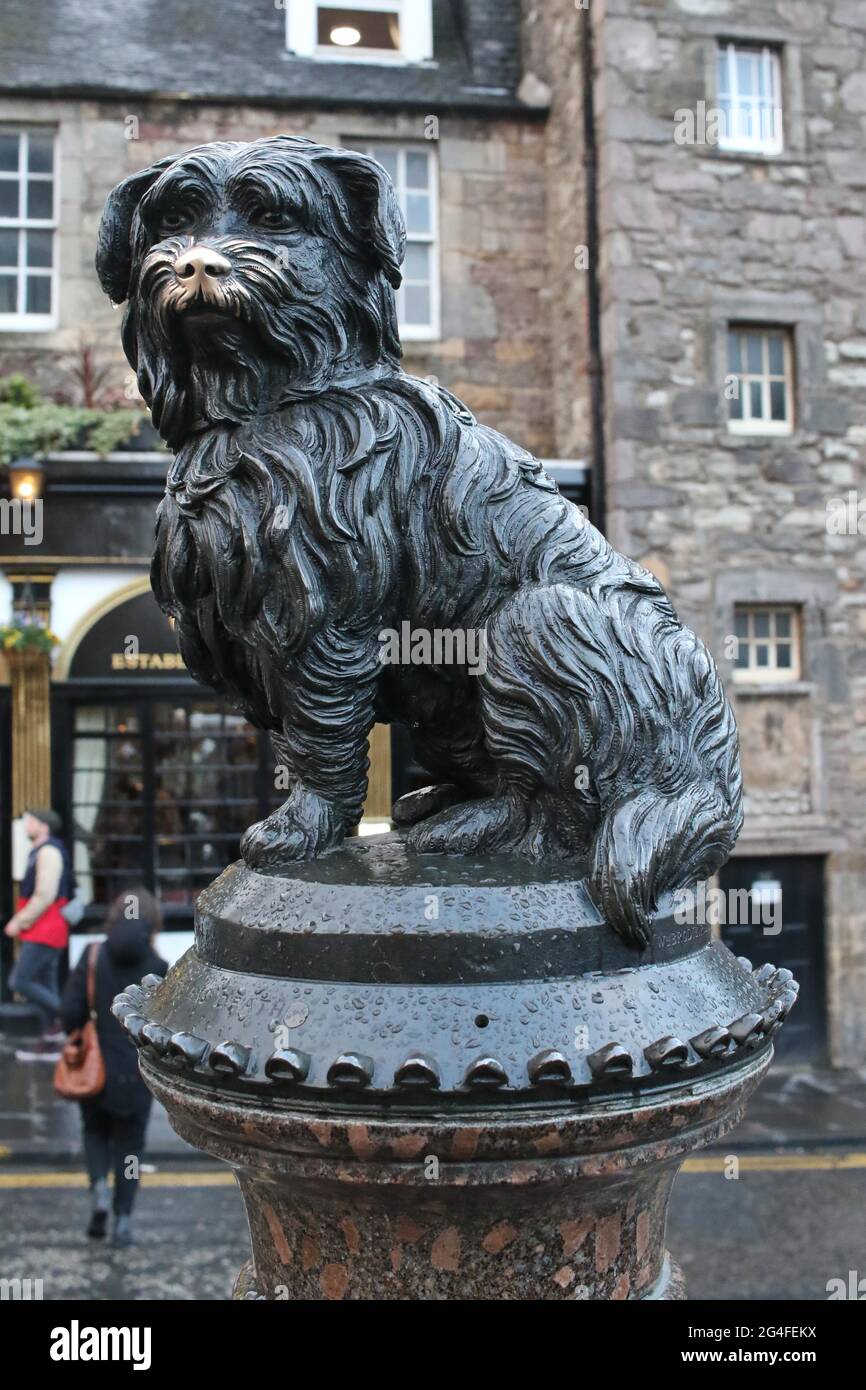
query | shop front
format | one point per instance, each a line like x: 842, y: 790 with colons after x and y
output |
x: 156, y: 779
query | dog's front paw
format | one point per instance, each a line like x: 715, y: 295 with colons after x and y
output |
x: 302, y: 828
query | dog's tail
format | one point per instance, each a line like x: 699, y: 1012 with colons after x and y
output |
x: 681, y: 826
x: 601, y: 699
x: 653, y: 844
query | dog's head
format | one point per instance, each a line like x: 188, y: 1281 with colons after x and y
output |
x: 254, y: 272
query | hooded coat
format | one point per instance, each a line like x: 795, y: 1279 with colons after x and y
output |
x: 123, y: 958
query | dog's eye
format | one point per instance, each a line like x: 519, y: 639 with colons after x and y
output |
x: 174, y: 220
x: 274, y: 219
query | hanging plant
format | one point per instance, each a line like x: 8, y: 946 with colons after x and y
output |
x: 27, y: 637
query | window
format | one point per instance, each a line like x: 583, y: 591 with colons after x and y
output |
x: 413, y: 171
x: 768, y: 643
x: 750, y: 98
x: 373, y: 31
x: 759, y: 385
x: 377, y: 30
x: 162, y: 788
x: 28, y: 221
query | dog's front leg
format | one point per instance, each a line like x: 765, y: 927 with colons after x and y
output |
x: 322, y: 752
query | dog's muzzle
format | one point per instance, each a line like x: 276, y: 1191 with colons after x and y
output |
x: 201, y: 271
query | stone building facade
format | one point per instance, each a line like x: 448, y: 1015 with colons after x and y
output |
x: 609, y: 257
x: 486, y: 145
x: 699, y: 237
x: 493, y: 343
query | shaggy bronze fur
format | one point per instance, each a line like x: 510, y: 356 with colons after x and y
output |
x: 320, y: 498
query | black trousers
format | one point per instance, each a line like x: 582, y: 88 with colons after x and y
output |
x: 114, y: 1142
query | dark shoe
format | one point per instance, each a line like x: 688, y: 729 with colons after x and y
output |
x: 122, y: 1237
x: 40, y: 1051
x: 99, y: 1215
x: 56, y: 1033
x: 97, y: 1225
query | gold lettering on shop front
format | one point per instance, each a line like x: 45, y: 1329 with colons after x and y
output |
x: 147, y: 661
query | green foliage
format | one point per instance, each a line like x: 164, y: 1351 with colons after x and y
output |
x: 17, y: 390
x: 31, y: 427
x: 108, y: 430
x: 27, y: 433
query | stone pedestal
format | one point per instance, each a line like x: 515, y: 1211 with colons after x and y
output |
x: 446, y: 1078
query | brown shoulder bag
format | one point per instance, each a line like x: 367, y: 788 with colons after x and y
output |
x: 80, y: 1071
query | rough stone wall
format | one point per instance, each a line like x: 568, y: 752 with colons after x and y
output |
x: 553, y: 72
x: 693, y: 238
x: 494, y: 349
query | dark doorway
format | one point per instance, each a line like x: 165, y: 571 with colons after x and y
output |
x: 799, y: 945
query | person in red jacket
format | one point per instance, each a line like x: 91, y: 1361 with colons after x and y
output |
x: 41, y: 927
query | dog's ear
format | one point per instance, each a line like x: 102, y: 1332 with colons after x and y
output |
x: 377, y: 221
x: 113, y: 249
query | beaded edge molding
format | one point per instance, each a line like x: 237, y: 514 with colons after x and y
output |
x: 354, y: 1071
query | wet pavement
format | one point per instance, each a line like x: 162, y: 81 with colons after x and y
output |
x: 36, y: 1126
x: 775, y: 1235
x: 805, y: 1107
x: 190, y: 1241
x: 769, y: 1236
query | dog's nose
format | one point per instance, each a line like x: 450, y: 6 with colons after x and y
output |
x: 200, y: 267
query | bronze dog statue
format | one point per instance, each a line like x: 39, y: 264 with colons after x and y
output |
x: 320, y: 497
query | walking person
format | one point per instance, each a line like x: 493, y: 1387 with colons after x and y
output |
x: 42, y: 929
x: 115, y: 1121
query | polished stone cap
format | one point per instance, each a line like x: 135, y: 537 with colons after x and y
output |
x: 375, y: 913
x: 374, y: 974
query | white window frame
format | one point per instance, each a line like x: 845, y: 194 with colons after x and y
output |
x: 20, y: 321
x: 770, y: 674
x: 417, y: 333
x: 771, y: 66
x: 764, y: 424
x: 416, y: 31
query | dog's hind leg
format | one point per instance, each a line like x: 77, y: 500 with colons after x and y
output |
x: 458, y: 761
x: 489, y: 824
x: 578, y: 686
x: 416, y: 806
x: 530, y: 740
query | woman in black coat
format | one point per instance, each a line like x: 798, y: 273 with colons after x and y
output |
x: 115, y: 1121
